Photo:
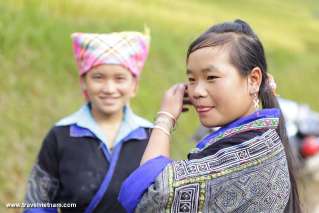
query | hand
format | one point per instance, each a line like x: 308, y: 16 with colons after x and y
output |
x: 174, y: 99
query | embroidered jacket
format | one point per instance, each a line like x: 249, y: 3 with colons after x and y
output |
x: 242, y: 167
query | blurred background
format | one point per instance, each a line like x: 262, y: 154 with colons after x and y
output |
x: 39, y: 82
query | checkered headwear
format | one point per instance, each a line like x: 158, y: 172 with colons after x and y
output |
x: 128, y: 49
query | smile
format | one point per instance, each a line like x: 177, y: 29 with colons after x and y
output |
x: 203, y: 109
x: 109, y: 100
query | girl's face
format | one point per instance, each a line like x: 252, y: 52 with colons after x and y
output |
x: 218, y: 92
x: 109, y: 88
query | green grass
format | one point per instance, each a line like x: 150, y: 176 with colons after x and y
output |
x: 39, y: 84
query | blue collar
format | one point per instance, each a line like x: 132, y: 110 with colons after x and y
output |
x: 240, y: 125
x: 82, y: 124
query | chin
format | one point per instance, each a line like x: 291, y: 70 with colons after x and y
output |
x: 208, y: 124
x: 110, y: 110
x: 211, y: 123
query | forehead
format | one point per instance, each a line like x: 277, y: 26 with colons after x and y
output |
x: 208, y: 56
x: 110, y: 69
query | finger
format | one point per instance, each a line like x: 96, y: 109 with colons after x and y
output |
x: 180, y: 89
x: 173, y: 89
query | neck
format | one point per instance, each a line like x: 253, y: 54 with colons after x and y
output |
x: 109, y: 123
x: 107, y: 119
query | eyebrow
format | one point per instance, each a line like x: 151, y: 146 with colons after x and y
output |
x: 210, y: 68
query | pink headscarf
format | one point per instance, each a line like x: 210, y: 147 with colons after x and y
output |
x: 128, y: 49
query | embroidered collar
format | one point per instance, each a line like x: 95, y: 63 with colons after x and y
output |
x: 82, y: 124
x: 265, y: 118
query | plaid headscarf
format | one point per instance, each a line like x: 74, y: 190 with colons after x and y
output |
x: 128, y: 49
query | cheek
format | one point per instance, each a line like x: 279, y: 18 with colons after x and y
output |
x: 225, y: 93
x: 127, y: 89
x: 190, y: 92
x: 92, y: 88
x: 236, y: 95
x: 217, y: 90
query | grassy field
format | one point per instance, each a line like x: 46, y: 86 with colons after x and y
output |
x: 39, y: 84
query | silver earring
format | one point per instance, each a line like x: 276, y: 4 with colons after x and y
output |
x: 256, y: 101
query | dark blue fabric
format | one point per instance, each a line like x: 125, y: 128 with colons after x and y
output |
x: 101, y: 191
x: 137, y: 183
x: 264, y: 113
x: 77, y: 131
x: 139, y: 134
x: 41, y: 210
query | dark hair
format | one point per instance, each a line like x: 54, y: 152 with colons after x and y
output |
x: 247, y: 52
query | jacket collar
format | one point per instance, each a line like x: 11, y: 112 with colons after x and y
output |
x: 82, y: 124
x: 265, y: 118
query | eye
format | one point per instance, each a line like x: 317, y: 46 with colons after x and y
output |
x: 212, y: 77
x: 191, y: 79
x: 120, y: 78
x: 97, y: 76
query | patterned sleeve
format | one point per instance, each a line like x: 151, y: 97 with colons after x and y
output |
x: 43, y: 184
x: 247, y: 178
x: 156, y: 197
x: 140, y: 181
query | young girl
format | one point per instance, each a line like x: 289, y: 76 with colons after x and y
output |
x: 86, y: 156
x: 245, y: 166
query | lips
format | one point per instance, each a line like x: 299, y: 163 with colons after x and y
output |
x: 108, y: 100
x: 203, y: 109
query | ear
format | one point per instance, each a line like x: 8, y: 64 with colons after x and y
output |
x: 254, y: 80
x: 83, y: 83
x: 134, y: 87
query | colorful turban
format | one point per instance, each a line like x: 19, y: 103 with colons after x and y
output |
x: 128, y: 49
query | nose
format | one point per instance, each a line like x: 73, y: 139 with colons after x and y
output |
x: 199, y: 90
x: 109, y: 87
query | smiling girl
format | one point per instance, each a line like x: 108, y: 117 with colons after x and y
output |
x: 85, y: 157
x: 245, y: 166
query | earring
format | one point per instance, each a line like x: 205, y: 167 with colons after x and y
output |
x: 256, y: 101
